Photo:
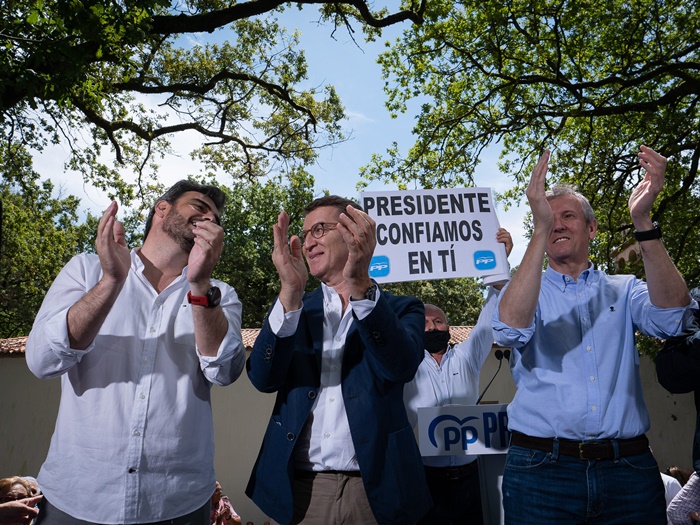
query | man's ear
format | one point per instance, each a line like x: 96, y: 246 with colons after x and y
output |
x: 162, y: 208
x: 592, y: 229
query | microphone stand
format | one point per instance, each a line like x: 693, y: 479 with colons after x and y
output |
x: 499, y: 355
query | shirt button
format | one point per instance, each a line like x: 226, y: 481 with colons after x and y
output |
x: 137, y: 433
x: 331, y: 399
x: 338, y: 338
x: 591, y: 378
x: 326, y: 435
x: 152, y: 330
x: 141, y: 396
x: 594, y: 408
x: 584, y: 318
x: 588, y: 348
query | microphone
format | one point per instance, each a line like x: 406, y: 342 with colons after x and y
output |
x: 499, y: 355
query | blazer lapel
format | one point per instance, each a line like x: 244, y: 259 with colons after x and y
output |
x: 313, y: 307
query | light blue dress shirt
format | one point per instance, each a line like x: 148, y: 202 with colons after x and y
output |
x: 576, y: 367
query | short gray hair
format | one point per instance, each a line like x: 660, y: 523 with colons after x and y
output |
x: 562, y: 190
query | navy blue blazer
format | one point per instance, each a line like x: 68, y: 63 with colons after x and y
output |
x: 382, y: 352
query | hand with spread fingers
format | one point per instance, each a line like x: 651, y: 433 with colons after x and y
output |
x: 289, y: 261
x: 646, y: 192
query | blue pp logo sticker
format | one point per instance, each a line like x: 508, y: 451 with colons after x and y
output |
x: 484, y: 260
x: 379, y: 266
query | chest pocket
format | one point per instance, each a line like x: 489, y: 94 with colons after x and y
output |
x: 183, y: 326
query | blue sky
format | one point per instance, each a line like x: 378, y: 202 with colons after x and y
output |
x: 357, y: 78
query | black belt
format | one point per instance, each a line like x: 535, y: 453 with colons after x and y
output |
x: 598, y: 449
x: 453, y: 473
x: 312, y: 473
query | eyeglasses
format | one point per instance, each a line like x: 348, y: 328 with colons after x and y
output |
x: 318, y: 230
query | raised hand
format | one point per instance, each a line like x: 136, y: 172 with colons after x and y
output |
x: 111, y: 247
x: 644, y: 195
x: 208, y: 245
x: 289, y: 262
x: 541, y: 210
x: 359, y: 232
x: 503, y: 236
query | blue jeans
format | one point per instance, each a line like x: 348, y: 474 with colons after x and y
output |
x: 545, y: 488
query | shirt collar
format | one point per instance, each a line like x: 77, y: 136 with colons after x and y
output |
x: 589, y: 276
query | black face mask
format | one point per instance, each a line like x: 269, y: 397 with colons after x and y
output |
x: 436, y: 340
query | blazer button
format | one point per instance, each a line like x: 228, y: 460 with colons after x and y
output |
x: 290, y: 436
x: 312, y: 394
x: 376, y: 335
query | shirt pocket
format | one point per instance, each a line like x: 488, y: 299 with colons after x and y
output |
x: 183, y: 326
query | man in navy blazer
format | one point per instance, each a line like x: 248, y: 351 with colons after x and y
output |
x: 338, y: 447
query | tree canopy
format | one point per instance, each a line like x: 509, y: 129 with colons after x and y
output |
x: 116, y: 80
x: 39, y: 233
x: 591, y: 81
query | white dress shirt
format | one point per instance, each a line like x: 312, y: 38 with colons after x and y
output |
x: 455, y: 381
x: 134, y: 438
x: 325, y: 442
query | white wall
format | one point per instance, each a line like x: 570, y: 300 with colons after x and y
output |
x: 28, y: 408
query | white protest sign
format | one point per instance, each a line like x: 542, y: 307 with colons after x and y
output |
x: 435, y: 234
x: 461, y: 430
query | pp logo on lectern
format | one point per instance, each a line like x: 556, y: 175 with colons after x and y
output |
x: 490, y: 430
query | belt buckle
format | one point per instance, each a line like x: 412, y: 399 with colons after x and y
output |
x: 591, y: 451
x: 580, y: 450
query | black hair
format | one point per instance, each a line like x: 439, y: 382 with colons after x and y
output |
x: 183, y: 186
x: 334, y: 201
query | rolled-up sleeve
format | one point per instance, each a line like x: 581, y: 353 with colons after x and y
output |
x: 226, y: 366
x: 48, y: 350
x: 506, y: 335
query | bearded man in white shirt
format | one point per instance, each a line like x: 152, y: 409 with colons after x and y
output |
x: 138, y: 338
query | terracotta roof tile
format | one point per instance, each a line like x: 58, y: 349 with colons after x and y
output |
x: 15, y: 346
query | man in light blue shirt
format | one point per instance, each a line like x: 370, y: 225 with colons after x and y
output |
x: 578, y: 451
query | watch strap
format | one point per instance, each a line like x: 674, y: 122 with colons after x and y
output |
x: 647, y: 235
x: 211, y: 300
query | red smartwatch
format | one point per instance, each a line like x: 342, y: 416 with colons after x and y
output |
x: 211, y: 300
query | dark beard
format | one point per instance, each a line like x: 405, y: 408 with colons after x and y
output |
x: 179, y: 230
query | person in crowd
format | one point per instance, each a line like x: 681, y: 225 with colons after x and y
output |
x: 449, y: 375
x: 138, y: 338
x: 678, y: 370
x: 578, y: 419
x: 222, y: 512
x: 671, y: 487
x: 338, y: 447
x: 17, y: 505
